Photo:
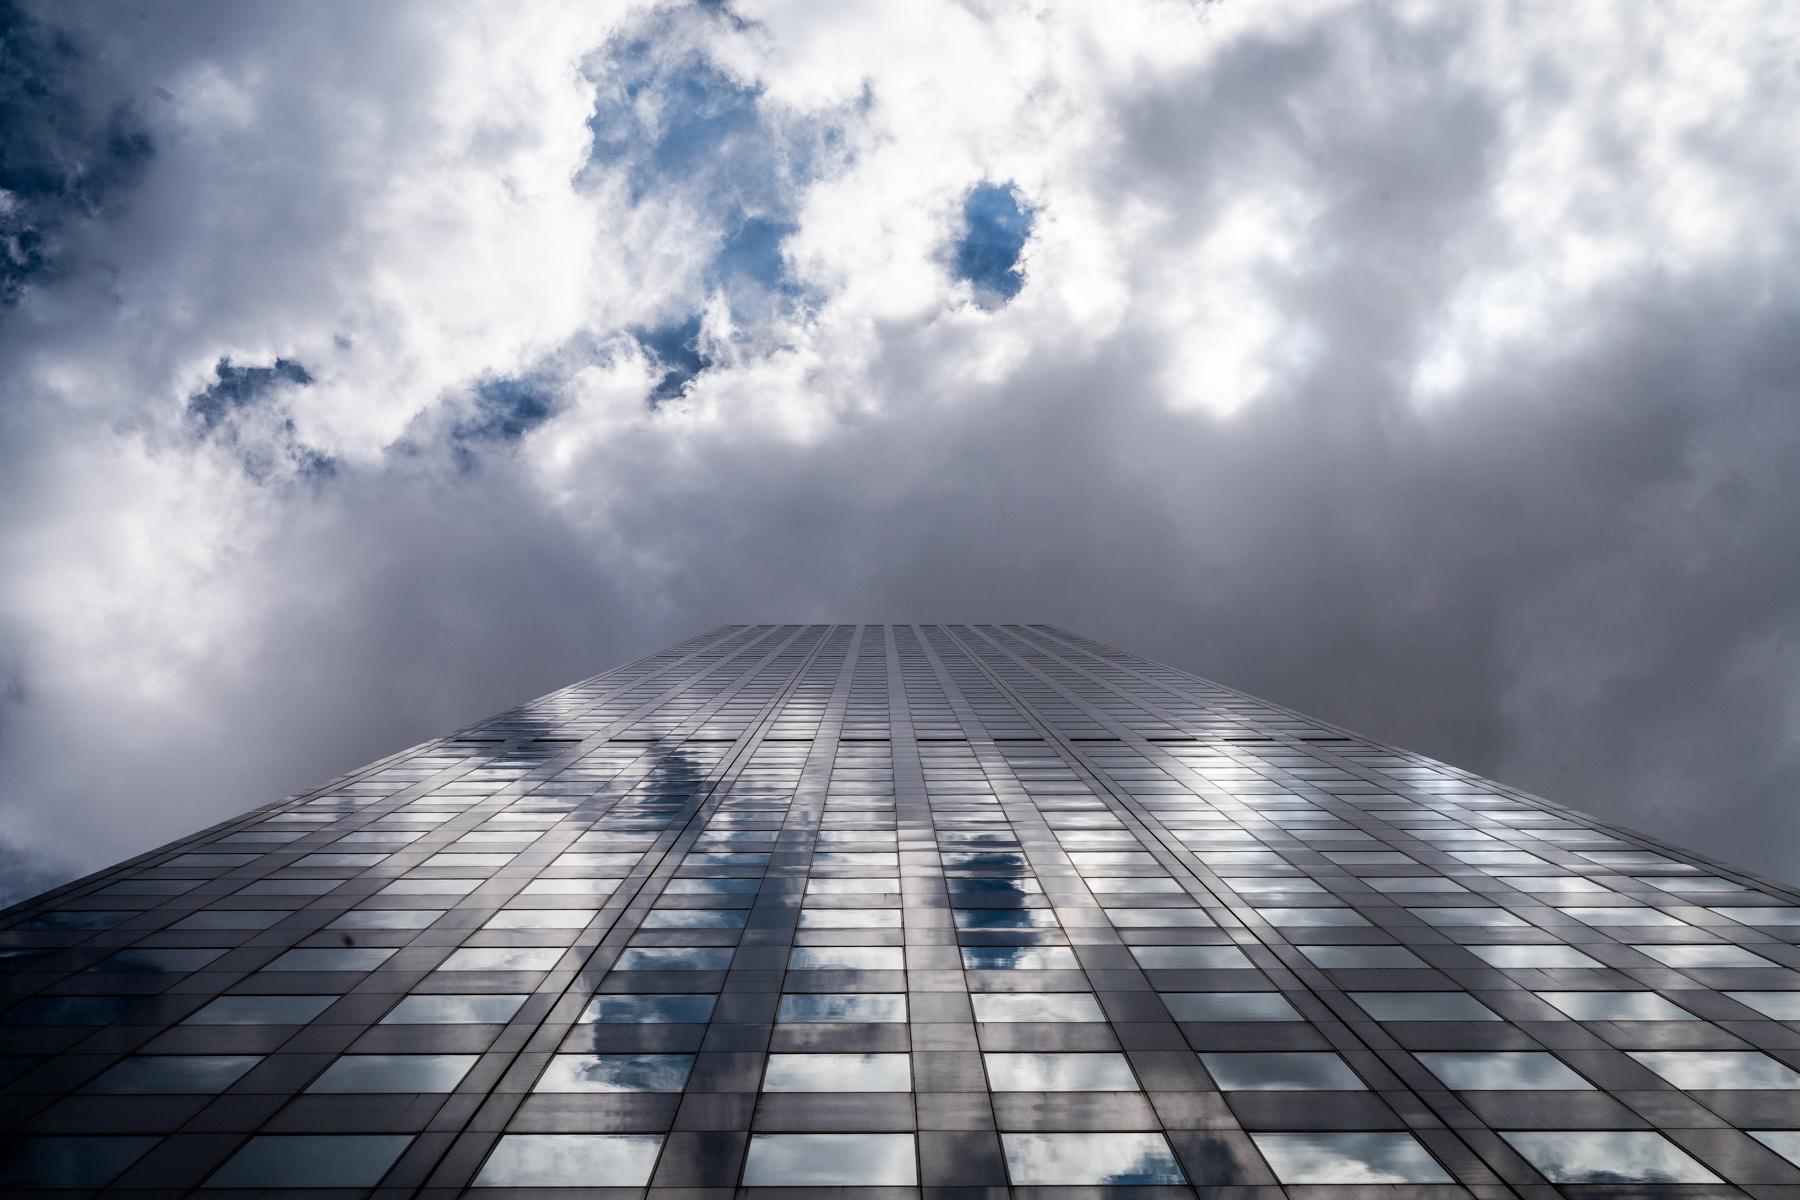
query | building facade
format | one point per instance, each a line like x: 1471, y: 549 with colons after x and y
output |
x: 953, y: 911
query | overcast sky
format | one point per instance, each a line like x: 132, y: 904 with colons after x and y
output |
x: 368, y: 368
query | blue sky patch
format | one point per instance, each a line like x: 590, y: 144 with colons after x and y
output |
x: 506, y: 409
x: 996, y: 225
x: 275, y: 450
x: 672, y: 123
x: 676, y: 349
x: 240, y: 387
x: 752, y: 254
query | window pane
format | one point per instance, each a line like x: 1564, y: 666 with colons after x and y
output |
x: 232, y: 918
x: 449, y: 1009
x: 70, y: 1010
x: 1778, y: 1006
x: 1704, y: 956
x: 1423, y: 1006
x: 1090, y: 1160
x: 835, y: 1008
x: 615, y: 1073
x: 1036, y: 1006
x: 173, y: 1074
x: 1294, y: 1071
x: 387, y: 918
x: 1348, y: 1158
x: 1616, y: 1006
x: 394, y: 1073
x: 155, y: 961
x: 838, y: 1073
x: 318, y: 1161
x: 261, y: 1010
x: 1019, y: 958
x: 360, y: 958
x: 683, y: 958
x: 571, y: 1160
x: 1190, y: 958
x: 1532, y: 957
x: 75, y: 919
x: 1053, y: 1072
x: 502, y: 958
x: 1229, y: 1006
x: 846, y: 958
x: 69, y: 1162
x: 1719, y: 1070
x: 830, y: 1160
x: 1608, y: 1157
x: 1502, y: 1071
x: 1344, y: 958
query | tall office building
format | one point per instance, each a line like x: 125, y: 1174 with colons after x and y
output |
x: 939, y: 910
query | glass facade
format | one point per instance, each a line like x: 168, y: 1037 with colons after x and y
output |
x: 952, y: 911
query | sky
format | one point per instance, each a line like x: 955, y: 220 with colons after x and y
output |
x: 369, y: 368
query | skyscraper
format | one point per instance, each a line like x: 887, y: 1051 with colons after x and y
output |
x: 939, y: 910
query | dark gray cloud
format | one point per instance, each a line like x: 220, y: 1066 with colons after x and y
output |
x: 1426, y: 372
x: 66, y: 150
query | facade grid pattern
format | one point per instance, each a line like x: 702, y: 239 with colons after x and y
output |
x: 948, y: 911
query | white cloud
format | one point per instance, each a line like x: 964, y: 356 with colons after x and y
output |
x: 1368, y: 354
